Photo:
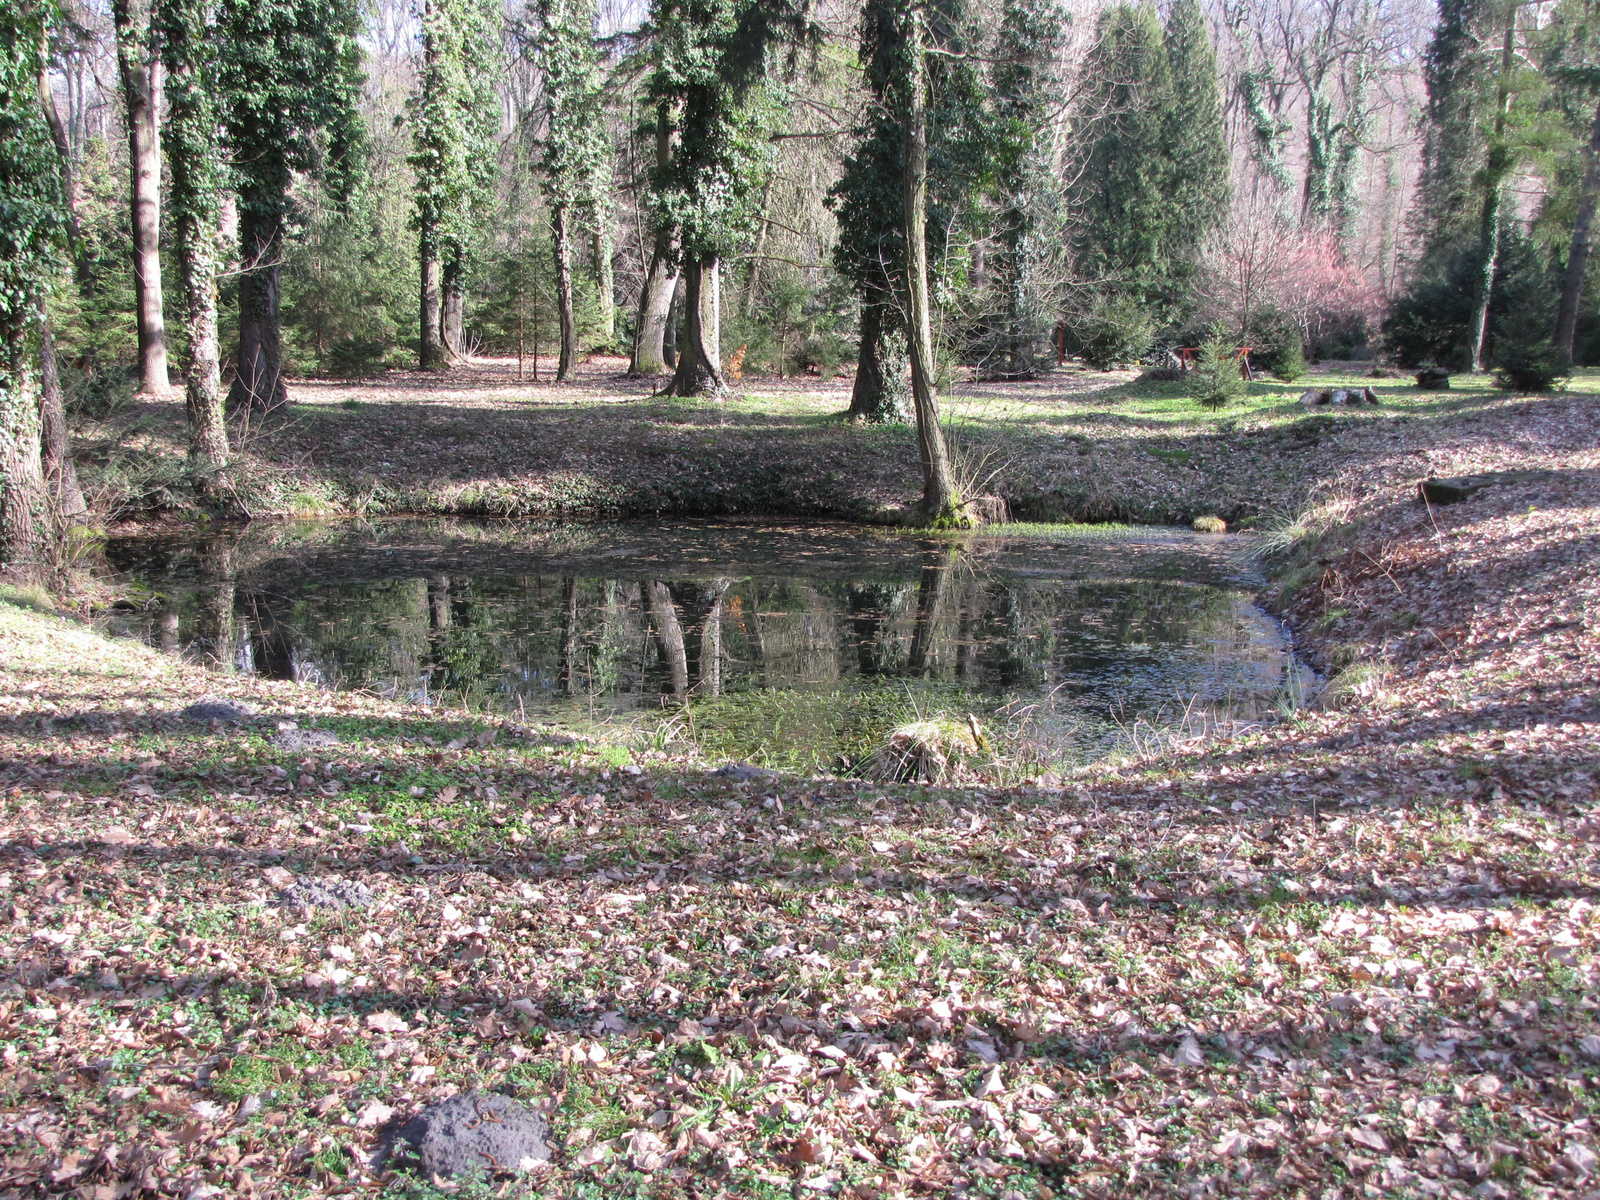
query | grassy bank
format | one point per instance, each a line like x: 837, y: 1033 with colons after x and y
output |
x: 1350, y: 955
x: 1075, y: 445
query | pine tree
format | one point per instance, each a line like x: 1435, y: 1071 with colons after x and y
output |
x: 452, y: 154
x: 1119, y: 198
x: 1459, y: 70
x: 575, y: 151
x: 32, y: 232
x: 289, y: 72
x: 188, y: 47
x: 1152, y: 178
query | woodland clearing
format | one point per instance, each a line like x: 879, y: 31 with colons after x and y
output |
x: 1351, y: 954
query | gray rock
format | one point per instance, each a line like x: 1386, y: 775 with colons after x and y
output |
x: 743, y: 773
x: 332, y: 893
x: 295, y: 741
x: 479, y: 1131
x: 211, y: 709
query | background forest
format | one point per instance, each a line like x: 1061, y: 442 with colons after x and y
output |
x: 235, y: 193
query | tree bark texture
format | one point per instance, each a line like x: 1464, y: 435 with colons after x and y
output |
x: 24, y: 514
x: 882, y: 394
x: 1578, y: 253
x: 562, y: 241
x: 699, y: 371
x: 939, y: 499
x: 258, y: 383
x: 660, y: 282
x: 453, y: 308
x: 55, y: 447
x: 430, y: 352
x: 140, y: 69
x: 1496, y: 169
x: 605, y: 282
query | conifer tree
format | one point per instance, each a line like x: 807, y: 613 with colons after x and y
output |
x: 1196, y: 145
x: 574, y: 143
x: 452, y: 153
x: 1458, y: 70
x: 188, y: 47
x: 32, y: 231
x: 289, y: 72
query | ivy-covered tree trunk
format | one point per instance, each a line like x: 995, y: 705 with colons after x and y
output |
x: 187, y: 35
x: 258, y: 382
x: 55, y: 444
x: 1578, y: 252
x: 605, y: 283
x: 699, y: 371
x: 561, y: 242
x: 140, y: 69
x: 882, y: 393
x: 23, y: 503
x: 939, y: 499
x: 430, y: 344
x: 453, y: 307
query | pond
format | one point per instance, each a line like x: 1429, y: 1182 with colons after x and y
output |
x: 790, y: 645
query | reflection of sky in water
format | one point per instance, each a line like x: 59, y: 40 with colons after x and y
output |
x: 1118, y: 632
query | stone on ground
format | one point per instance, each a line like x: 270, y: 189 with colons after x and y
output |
x: 476, y: 1132
x: 331, y: 893
x: 209, y: 708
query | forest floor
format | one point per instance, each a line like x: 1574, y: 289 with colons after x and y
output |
x: 1351, y: 954
x: 1076, y: 445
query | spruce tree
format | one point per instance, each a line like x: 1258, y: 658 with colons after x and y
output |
x: 575, y: 151
x: 1121, y: 211
x: 289, y: 73
x: 452, y: 153
x: 32, y: 232
x: 1196, y: 144
x: 188, y: 46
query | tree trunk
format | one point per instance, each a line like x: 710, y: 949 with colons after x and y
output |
x: 258, y: 382
x: 1496, y: 169
x: 216, y: 629
x: 24, y: 522
x: 661, y: 281
x: 881, y: 394
x: 208, y: 426
x: 939, y: 499
x: 669, y: 632
x: 452, y: 319
x: 140, y: 69
x: 699, y: 370
x: 931, y: 589
x: 605, y: 282
x: 430, y: 352
x: 1578, y: 255
x: 562, y: 237
x: 55, y: 448
x: 81, y: 272
x: 669, y: 336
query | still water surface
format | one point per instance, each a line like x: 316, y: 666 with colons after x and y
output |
x: 763, y: 627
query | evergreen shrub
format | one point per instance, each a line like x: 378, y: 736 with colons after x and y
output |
x: 1529, y: 365
x: 1289, y: 361
x: 1115, y: 331
x: 1215, y: 380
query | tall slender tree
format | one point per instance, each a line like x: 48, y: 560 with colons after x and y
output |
x: 574, y: 146
x: 289, y: 74
x: 1572, y: 61
x: 32, y: 228
x: 139, y: 64
x: 189, y: 52
x: 452, y: 152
